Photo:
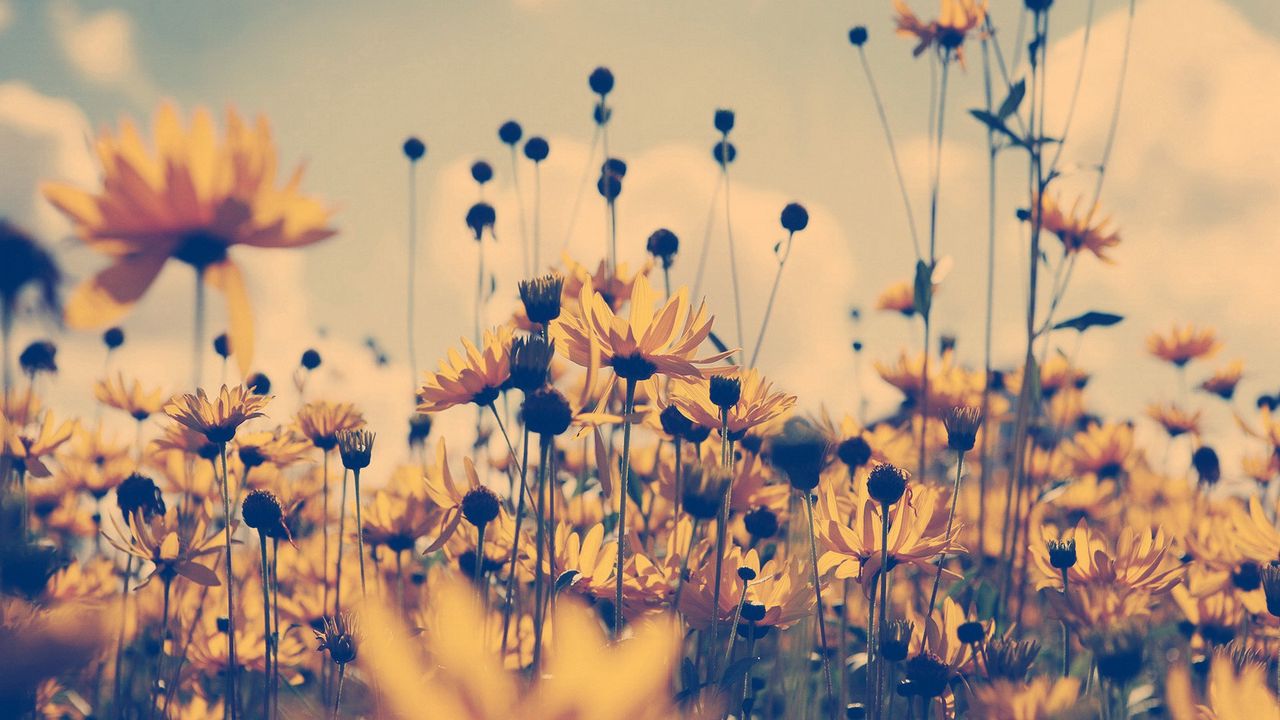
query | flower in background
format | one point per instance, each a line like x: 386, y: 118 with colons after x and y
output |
x: 190, y: 199
x: 1224, y: 380
x: 321, y: 421
x: 1174, y: 419
x: 219, y: 417
x: 956, y: 19
x: 1078, y: 231
x: 757, y: 403
x: 139, y: 403
x: 1182, y: 344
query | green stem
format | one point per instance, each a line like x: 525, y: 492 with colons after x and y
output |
x: 623, y: 495
x: 266, y: 627
x: 951, y: 518
x: 817, y: 591
x: 360, y: 534
x: 540, y: 543
x: 342, y: 538
x: 231, y: 700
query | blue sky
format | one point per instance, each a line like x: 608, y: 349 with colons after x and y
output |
x: 1192, y: 184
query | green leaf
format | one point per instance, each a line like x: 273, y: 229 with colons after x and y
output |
x: 566, y: 579
x: 733, y: 674
x: 688, y: 676
x: 924, y: 287
x: 1013, y: 100
x: 985, y: 601
x: 1090, y: 319
x: 996, y: 124
x: 1033, y: 377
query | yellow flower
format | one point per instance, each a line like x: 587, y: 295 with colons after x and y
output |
x: 757, y: 403
x: 1233, y: 694
x: 917, y: 534
x: 1040, y: 698
x: 584, y: 675
x: 781, y: 591
x: 397, y: 521
x: 219, y: 417
x: 956, y: 19
x: 171, y: 543
x: 477, y: 378
x: 1078, y: 232
x: 280, y: 448
x: 615, y: 286
x: 643, y: 343
x: 448, y: 495
x: 900, y: 297
x: 1174, y: 419
x: 1141, y: 560
x: 191, y: 200
x: 1106, y: 450
x: 321, y: 421
x: 27, y: 449
x: 132, y: 399
x: 1224, y: 380
x: 1183, y: 344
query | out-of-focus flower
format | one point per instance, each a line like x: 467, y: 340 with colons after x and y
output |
x: 1224, y: 380
x: 1038, y: 699
x: 1183, y: 343
x: 192, y: 199
x: 917, y: 534
x: 1233, y: 693
x: 1175, y: 420
x: 757, y: 403
x: 321, y: 421
x: 26, y: 449
x: 1076, y: 229
x: 171, y: 544
x: 133, y: 399
x: 1141, y: 560
x: 956, y: 19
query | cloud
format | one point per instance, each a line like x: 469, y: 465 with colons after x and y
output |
x: 100, y: 47
x: 41, y: 138
x: 6, y: 15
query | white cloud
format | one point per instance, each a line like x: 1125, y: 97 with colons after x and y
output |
x: 41, y: 138
x: 100, y: 47
x: 6, y: 15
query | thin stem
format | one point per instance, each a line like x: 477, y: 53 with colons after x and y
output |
x: 684, y: 563
x: 342, y: 538
x: 768, y: 308
x: 884, y: 590
x: 737, y: 618
x: 951, y: 518
x: 360, y: 534
x: 1066, y: 632
x: 124, y: 616
x: 197, y: 344
x: 582, y: 186
x: 984, y: 448
x: 544, y: 450
x: 817, y: 591
x: 733, y: 257
x: 706, y: 237
x: 266, y: 627
x: 324, y: 529
x: 537, y: 217
x: 524, y: 228
x: 337, y: 701
x: 893, y: 152
x: 231, y: 701
x: 164, y: 633
x: 275, y: 626
x: 623, y: 495
x: 411, y: 272
x: 479, y: 570
x: 515, y: 544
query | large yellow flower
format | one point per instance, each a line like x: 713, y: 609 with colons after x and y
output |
x: 1078, y: 231
x: 217, y: 417
x: 1232, y: 695
x: 757, y: 403
x: 645, y: 342
x: 1037, y: 699
x: 1141, y: 560
x: 477, y: 378
x: 1183, y: 343
x: 917, y: 534
x: 190, y: 199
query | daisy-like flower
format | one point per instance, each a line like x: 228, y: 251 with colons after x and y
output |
x: 644, y: 343
x: 780, y: 591
x: 1076, y: 230
x: 133, y: 399
x: 279, y: 447
x: 1174, y: 419
x: 900, y: 297
x: 452, y: 497
x: 171, y: 544
x: 956, y: 19
x: 1224, y: 380
x: 614, y: 284
x: 27, y: 449
x: 1037, y: 699
x: 217, y: 418
x: 1105, y: 449
x: 1233, y: 693
x: 757, y: 403
x: 321, y: 421
x: 397, y: 521
x: 1183, y: 343
x: 191, y: 200
x: 917, y: 534
x: 1141, y: 560
x: 477, y: 378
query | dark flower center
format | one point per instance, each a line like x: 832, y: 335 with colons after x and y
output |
x: 200, y: 249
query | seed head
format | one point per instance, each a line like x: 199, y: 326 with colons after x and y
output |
x: 761, y: 522
x: 541, y: 298
x: 704, y: 490
x: 530, y: 362
x: 481, y: 172
x: 1011, y: 659
x: 113, y: 338
x: 510, y: 132
x: 139, y: 494
x: 1062, y: 554
x: 339, y: 638
x: 1271, y: 588
x: 480, y: 505
x: 356, y: 448
x: 725, y: 391
x: 663, y: 245
x: 261, y: 510
x: 480, y: 217
x: 887, y: 483
x: 546, y: 412
x: 39, y: 357
x: 1205, y: 461
x: 962, y: 423
x: 896, y: 640
x: 794, y: 217
x: 854, y: 452
x: 970, y: 633
x: 928, y: 675
x: 724, y: 121
x: 414, y: 149
x: 800, y: 452
x: 674, y: 422
x: 858, y: 36
x: 601, y: 81
x: 311, y: 359
x: 536, y: 149
x: 259, y: 384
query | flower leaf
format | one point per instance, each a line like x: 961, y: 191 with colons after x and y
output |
x: 923, y: 287
x: 1013, y: 100
x: 1093, y: 318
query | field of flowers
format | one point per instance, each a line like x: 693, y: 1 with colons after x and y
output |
x: 638, y: 522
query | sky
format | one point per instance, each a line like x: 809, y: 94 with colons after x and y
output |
x: 1191, y: 185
